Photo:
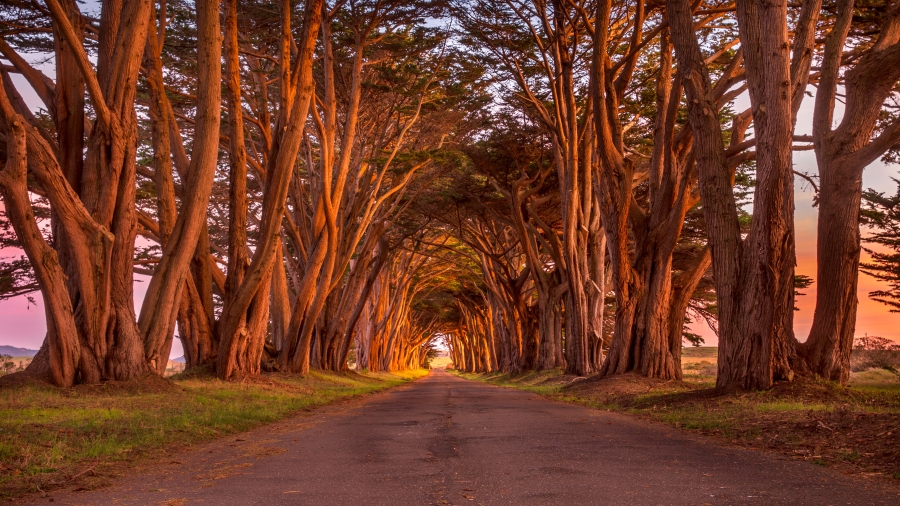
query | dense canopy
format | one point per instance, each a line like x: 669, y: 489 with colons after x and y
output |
x: 357, y: 183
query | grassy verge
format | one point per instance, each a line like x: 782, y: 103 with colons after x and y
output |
x: 855, y: 429
x: 50, y: 437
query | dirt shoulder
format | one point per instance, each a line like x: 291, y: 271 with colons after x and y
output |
x: 855, y: 429
x: 84, y: 437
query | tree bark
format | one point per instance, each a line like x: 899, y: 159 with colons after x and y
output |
x: 290, y: 126
x: 62, y: 351
x: 160, y: 307
x: 754, y: 277
x: 97, y: 217
x: 842, y: 153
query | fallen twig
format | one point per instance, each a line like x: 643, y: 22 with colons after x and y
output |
x: 88, y: 470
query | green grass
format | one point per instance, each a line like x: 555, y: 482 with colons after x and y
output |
x: 875, y: 378
x: 48, y: 435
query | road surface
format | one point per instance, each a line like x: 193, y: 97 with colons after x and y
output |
x: 444, y: 440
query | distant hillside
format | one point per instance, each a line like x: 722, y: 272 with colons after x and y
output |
x: 179, y: 359
x: 16, y: 352
x: 700, y: 351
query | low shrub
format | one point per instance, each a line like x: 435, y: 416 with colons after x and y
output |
x: 862, y: 360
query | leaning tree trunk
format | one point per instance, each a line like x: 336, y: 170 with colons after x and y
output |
x: 160, y: 309
x: 60, y: 354
x: 69, y: 113
x: 237, y: 317
x: 615, y: 174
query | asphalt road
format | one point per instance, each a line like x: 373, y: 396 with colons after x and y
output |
x: 444, y: 440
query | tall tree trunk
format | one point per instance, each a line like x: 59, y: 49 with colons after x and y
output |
x: 581, y: 236
x: 550, y: 330
x: 281, y: 301
x: 754, y: 278
x: 194, y: 327
x: 827, y: 350
x: 254, y: 287
x: 98, y: 218
x: 68, y: 112
x: 842, y: 153
x: 62, y: 352
x: 160, y: 308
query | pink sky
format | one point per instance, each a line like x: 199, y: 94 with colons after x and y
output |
x: 24, y: 325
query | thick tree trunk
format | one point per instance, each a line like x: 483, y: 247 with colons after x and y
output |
x: 584, y: 316
x: 550, y: 330
x: 241, y: 355
x: 233, y: 358
x: 615, y: 175
x: 842, y: 154
x: 759, y: 345
x: 294, y: 356
x: 162, y: 165
x: 374, y: 271
x: 827, y: 349
x: 194, y: 328
x: 754, y: 278
x: 653, y: 333
x: 641, y: 342
x: 99, y: 218
x: 68, y: 111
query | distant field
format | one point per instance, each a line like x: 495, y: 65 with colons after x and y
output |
x: 868, y: 368
x: 700, y: 352
x: 20, y: 363
x: 440, y: 362
x: 699, y: 361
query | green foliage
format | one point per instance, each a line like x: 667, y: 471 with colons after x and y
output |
x: 695, y: 339
x: 881, y: 214
x: 873, y: 352
x: 16, y: 275
x: 6, y: 364
x: 801, y: 281
x: 430, y: 355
